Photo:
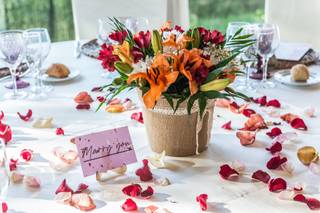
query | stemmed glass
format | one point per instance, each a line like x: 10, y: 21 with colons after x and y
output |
x: 233, y: 27
x: 4, y: 171
x: 12, y: 46
x: 268, y: 39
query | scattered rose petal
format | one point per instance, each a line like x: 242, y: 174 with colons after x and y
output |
x: 276, y: 147
x: 63, y: 197
x: 261, y: 100
x: 132, y: 190
x: 202, y: 200
x: 150, y: 209
x: 137, y: 116
x: 274, y: 103
x: 261, y: 176
x: 59, y: 131
x: 32, y: 182
x: 285, y: 137
x: 235, y: 108
x: 157, y: 160
x: 115, y: 101
x: 144, y: 173
x: 83, y: 98
x: 13, y: 164
x: 64, y: 187
x: 97, y: 89
x: 287, y: 167
x: 120, y: 170
x: 101, y: 99
x: 238, y: 166
x: 42, y: 123
x: 298, y: 123
x: 26, y: 154
x: 227, y: 126
x: 81, y: 187
x: 1, y: 115
x: 4, y: 207
x: 289, y: 117
x: 274, y: 132
x: 115, y: 108
x: 286, y: 195
x: 314, y: 168
x: 69, y: 156
x: 222, y: 102
x: 5, y: 133
x: 129, y: 205
x: 227, y: 172
x: 128, y: 104
x: 313, y: 203
x: 27, y: 116
x: 246, y: 137
x: 83, y: 202
x: 248, y: 112
x: 162, y: 181
x: 298, y: 187
x: 16, y: 177
x: 272, y: 112
x: 300, y: 198
x: 275, y: 162
x: 255, y: 122
x: 146, y: 194
x: 83, y: 106
x: 277, y: 184
x: 309, y: 111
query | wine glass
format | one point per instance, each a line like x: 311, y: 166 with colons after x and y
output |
x: 268, y: 39
x: 4, y: 171
x: 33, y: 56
x: 12, y: 46
x: 233, y: 27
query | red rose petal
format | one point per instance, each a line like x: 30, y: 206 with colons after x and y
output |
x: 261, y: 176
x: 81, y: 188
x: 274, y: 103
x: 275, y: 162
x: 5, y: 133
x: 227, y: 126
x: 300, y: 198
x: 129, y: 205
x: 275, y: 147
x: 1, y: 115
x: 59, y: 131
x: 298, y: 123
x: 262, y: 100
x: 101, y: 99
x: 4, y: 207
x: 26, y: 154
x: 27, y: 116
x: 235, y: 108
x: 137, y: 116
x: 147, y: 193
x: 144, y: 173
x: 226, y: 172
x: 277, y: 184
x: 64, y: 187
x: 97, y: 89
x: 248, y: 112
x: 83, y: 106
x: 246, y: 137
x: 132, y: 190
x: 289, y: 117
x: 13, y: 164
x: 255, y: 122
x: 313, y: 203
x: 274, y: 132
x: 202, y: 200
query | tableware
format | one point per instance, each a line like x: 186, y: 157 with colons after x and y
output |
x: 268, y: 39
x: 284, y: 77
x: 12, y: 46
x: 73, y: 74
x: 233, y: 27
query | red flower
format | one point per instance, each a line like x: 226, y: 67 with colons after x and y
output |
x: 137, y: 116
x: 1, y: 115
x: 275, y: 103
x: 298, y: 123
x: 248, y: 112
x: 226, y: 172
x: 178, y: 28
x: 204, y: 34
x: 5, y: 132
x: 146, y: 194
x: 262, y: 100
x: 119, y: 36
x: 107, y: 57
x: 277, y: 184
x: 274, y: 132
x: 142, y: 39
x: 227, y: 126
x: 275, y: 162
x: 261, y: 176
x: 13, y: 164
x: 137, y: 54
x: 217, y: 37
x: 4, y: 207
x: 81, y: 188
x: 129, y: 205
x: 26, y: 154
x: 200, y: 74
x: 64, y: 187
x: 59, y: 131
x: 202, y: 200
x: 132, y: 190
x: 27, y: 116
x: 144, y: 173
x: 275, y: 148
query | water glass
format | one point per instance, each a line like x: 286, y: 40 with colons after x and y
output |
x: 233, y: 27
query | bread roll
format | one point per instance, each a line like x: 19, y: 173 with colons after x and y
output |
x: 300, y: 72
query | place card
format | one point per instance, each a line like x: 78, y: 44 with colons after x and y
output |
x: 106, y: 150
x: 291, y: 51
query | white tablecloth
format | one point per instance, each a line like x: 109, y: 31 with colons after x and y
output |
x: 190, y: 176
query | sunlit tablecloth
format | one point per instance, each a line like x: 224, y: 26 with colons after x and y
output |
x: 190, y: 176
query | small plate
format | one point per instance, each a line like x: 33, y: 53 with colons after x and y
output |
x: 73, y: 74
x: 284, y: 77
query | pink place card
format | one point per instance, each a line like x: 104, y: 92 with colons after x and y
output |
x: 106, y: 150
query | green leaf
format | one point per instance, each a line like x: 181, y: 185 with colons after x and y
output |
x: 214, y: 94
x: 213, y: 75
x: 180, y: 100
x: 237, y: 33
x: 169, y: 99
x: 202, y: 101
x: 226, y: 61
x: 191, y: 101
x: 242, y: 37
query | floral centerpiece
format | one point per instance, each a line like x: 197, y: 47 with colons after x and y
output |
x: 179, y: 75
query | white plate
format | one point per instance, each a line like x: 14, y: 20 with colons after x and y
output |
x: 73, y: 74
x: 284, y: 77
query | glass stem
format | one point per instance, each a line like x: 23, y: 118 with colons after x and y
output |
x: 14, y: 81
x: 265, y: 69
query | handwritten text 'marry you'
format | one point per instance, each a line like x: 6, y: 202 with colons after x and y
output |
x: 92, y: 152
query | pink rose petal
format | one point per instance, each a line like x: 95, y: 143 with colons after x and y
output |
x: 227, y: 126
x: 246, y: 137
x: 32, y: 182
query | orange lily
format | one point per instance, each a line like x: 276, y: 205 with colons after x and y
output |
x: 123, y: 51
x: 170, y: 41
x: 159, y: 76
x: 183, y: 41
x: 166, y: 26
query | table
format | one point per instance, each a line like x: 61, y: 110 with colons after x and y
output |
x: 189, y: 176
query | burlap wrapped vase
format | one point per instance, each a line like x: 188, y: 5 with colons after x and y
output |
x: 179, y: 134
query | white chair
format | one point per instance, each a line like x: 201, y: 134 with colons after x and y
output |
x: 87, y: 12
x: 298, y: 20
